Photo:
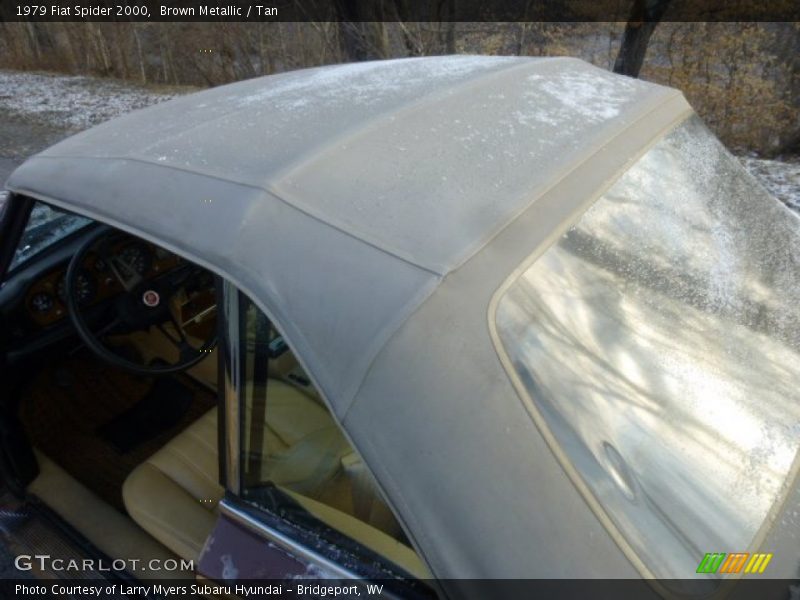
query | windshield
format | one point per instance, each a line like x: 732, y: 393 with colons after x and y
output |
x: 659, y: 343
x: 46, y: 225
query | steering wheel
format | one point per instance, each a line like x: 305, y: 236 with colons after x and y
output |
x: 143, y: 304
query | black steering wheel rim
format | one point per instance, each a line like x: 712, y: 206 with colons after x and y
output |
x: 90, y: 338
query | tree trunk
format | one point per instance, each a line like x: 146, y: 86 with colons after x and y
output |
x: 139, y: 55
x: 446, y: 14
x: 33, y: 41
x: 73, y: 56
x: 644, y: 18
x: 413, y: 46
x: 362, y: 33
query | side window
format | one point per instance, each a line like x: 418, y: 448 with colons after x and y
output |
x: 292, y: 445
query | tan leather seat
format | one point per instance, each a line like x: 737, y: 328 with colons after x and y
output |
x: 174, y: 494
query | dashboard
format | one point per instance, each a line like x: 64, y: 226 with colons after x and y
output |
x: 34, y: 316
x: 45, y: 300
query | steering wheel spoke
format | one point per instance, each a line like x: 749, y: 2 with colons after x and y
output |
x: 109, y: 327
x: 178, y: 326
x: 181, y: 343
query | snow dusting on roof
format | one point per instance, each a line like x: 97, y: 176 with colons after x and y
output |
x: 594, y: 95
x: 366, y: 83
x: 390, y: 151
x: 463, y: 163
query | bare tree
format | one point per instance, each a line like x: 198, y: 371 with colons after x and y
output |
x: 362, y: 33
x: 139, y: 54
x: 447, y: 14
x: 643, y: 20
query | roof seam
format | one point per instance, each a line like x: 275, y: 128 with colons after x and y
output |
x: 292, y: 73
x: 423, y: 102
x: 377, y: 119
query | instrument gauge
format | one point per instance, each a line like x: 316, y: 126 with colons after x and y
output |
x: 137, y: 257
x: 41, y: 303
x: 85, y: 288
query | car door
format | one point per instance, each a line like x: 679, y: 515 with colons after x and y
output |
x: 17, y: 463
x: 299, y: 505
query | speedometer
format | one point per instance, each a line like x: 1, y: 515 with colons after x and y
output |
x: 137, y: 257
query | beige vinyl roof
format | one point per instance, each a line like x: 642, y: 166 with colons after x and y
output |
x: 389, y: 151
x: 338, y: 197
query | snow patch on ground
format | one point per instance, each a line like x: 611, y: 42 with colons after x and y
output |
x: 72, y: 102
x: 780, y: 177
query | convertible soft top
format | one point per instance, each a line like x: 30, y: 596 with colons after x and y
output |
x: 378, y: 211
x: 340, y: 196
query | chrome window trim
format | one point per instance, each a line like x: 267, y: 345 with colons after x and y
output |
x: 294, y: 548
x: 230, y: 378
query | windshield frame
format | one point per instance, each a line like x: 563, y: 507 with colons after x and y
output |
x: 13, y: 219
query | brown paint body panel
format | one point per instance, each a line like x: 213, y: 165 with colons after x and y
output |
x: 233, y: 552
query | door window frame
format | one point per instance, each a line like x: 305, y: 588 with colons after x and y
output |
x: 299, y: 536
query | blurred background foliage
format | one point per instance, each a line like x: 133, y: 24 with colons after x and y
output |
x: 742, y: 78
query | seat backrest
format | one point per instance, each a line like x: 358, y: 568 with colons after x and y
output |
x: 174, y: 494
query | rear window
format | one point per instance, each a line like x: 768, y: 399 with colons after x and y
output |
x: 658, y: 344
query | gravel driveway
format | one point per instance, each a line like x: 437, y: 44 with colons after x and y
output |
x: 21, y: 136
x: 37, y: 109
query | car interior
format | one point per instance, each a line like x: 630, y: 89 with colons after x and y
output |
x: 111, y: 372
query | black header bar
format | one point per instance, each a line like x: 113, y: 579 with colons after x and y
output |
x: 392, y: 10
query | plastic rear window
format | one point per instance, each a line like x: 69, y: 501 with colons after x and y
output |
x: 658, y: 342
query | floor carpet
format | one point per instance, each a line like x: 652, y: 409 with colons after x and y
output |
x: 68, y: 410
